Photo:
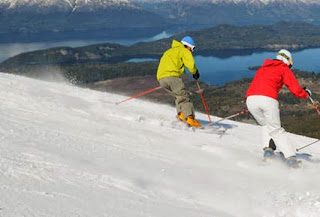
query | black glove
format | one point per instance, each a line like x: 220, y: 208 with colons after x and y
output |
x: 308, y: 91
x: 196, y: 75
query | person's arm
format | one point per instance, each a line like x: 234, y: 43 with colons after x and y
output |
x: 189, y: 62
x: 293, y: 85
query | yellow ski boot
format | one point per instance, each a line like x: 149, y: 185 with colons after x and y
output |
x: 180, y: 116
x: 192, y: 122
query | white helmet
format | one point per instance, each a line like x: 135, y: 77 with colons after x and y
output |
x: 285, y: 56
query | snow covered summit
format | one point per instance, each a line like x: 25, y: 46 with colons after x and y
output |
x: 63, y: 4
x: 67, y: 151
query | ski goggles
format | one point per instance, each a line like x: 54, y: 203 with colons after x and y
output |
x: 287, y: 58
x: 192, y: 47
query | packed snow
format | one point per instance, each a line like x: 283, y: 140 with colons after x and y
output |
x: 67, y: 151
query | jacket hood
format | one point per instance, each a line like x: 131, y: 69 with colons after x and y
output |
x: 269, y: 62
x: 176, y: 43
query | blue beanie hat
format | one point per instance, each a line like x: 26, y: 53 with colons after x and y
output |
x: 187, y: 40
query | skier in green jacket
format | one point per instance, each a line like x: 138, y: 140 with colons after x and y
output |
x: 172, y: 66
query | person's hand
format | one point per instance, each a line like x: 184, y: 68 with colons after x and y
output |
x: 196, y: 75
x: 308, y: 91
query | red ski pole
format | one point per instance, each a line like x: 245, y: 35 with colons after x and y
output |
x: 314, y: 105
x: 140, y: 94
x: 203, y: 101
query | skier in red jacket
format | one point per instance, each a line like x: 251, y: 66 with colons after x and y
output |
x: 262, y: 102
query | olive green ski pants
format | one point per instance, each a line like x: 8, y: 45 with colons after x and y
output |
x: 176, y: 87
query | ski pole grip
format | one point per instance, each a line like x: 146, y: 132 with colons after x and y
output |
x: 315, y: 106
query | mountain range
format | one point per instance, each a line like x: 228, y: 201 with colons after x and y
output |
x: 223, y: 41
x: 61, y: 19
x: 62, y: 5
x: 34, y: 20
x: 240, y: 12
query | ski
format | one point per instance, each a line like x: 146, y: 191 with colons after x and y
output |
x: 278, y: 157
x: 213, y: 126
x: 206, y: 128
x: 211, y: 130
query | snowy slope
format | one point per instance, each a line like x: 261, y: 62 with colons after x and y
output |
x: 66, y: 151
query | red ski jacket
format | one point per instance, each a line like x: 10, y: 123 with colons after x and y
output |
x: 270, y: 78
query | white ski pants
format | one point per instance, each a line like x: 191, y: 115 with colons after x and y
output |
x: 266, y: 112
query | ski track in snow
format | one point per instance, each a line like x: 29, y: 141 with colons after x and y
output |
x: 67, y: 151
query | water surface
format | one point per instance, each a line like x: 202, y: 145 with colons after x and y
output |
x: 8, y: 50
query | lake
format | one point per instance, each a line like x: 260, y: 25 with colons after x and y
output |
x: 8, y: 50
x: 218, y: 71
x: 213, y: 70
